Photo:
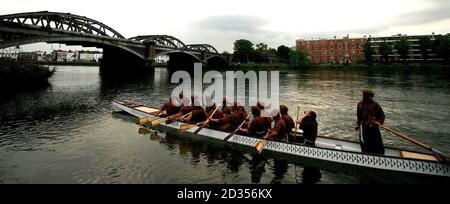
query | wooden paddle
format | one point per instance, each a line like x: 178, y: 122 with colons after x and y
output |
x: 234, y: 132
x: 441, y: 156
x: 143, y: 120
x: 206, y: 122
x: 184, y: 127
x: 260, y: 144
x: 298, y: 113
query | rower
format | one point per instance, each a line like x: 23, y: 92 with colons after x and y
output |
x: 309, y: 126
x: 258, y: 126
x: 169, y: 107
x: 278, y: 132
x: 369, y: 111
x: 225, y: 108
x: 287, y: 120
x: 185, y: 109
x: 197, y: 114
x: 211, y: 107
x: 264, y: 112
x: 229, y: 122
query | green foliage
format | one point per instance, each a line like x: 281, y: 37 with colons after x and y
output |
x: 385, y: 50
x: 425, y: 44
x: 283, y: 54
x: 242, y: 50
x: 368, y: 52
x: 15, y: 74
x: 299, y: 57
x: 402, y: 46
x: 441, y: 46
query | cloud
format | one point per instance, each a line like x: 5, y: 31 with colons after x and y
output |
x: 221, y: 32
x: 232, y: 23
x: 439, y: 11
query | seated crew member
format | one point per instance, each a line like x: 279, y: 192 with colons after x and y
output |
x: 229, y: 122
x: 309, y: 126
x: 287, y: 119
x: 197, y: 113
x: 210, y: 108
x: 264, y: 113
x: 225, y: 106
x: 184, y: 109
x: 278, y: 132
x: 258, y: 126
x: 169, y: 107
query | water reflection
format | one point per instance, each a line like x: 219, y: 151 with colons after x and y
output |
x: 66, y: 132
x: 235, y: 160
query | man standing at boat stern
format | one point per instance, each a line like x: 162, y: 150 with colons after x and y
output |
x: 369, y: 111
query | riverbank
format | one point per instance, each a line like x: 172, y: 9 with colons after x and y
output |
x: 16, y: 75
x: 255, y: 66
x: 69, y: 63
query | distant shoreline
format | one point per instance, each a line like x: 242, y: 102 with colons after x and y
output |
x: 69, y: 63
x: 255, y: 66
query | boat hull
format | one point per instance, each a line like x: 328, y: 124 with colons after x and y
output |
x: 337, y: 155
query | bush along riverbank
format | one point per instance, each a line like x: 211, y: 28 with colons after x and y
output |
x: 17, y: 75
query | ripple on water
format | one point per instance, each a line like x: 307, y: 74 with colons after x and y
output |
x: 69, y: 131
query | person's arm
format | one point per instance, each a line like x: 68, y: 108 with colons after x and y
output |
x: 244, y: 130
x: 163, y: 108
x: 380, y: 115
x: 187, y: 118
x: 273, y: 133
x: 358, y: 116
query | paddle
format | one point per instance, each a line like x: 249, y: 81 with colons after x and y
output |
x: 260, y: 144
x: 442, y: 156
x: 298, y: 113
x: 143, y: 120
x: 234, y: 132
x: 206, y: 122
x: 185, y: 127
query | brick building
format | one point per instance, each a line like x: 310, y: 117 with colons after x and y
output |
x: 325, y: 51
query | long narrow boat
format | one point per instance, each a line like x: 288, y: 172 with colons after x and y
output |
x: 328, y: 152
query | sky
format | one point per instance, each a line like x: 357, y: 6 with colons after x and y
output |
x: 274, y: 22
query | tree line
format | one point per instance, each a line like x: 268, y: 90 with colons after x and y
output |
x: 439, y: 46
x: 244, y: 51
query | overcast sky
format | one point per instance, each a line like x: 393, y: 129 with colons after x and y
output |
x: 273, y: 22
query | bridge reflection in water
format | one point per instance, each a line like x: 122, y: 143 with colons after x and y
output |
x: 119, y: 53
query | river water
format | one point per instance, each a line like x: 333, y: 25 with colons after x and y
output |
x: 68, y: 132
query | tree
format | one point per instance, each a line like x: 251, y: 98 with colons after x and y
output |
x: 402, y: 46
x: 441, y: 46
x: 261, y: 53
x: 272, y: 55
x: 226, y: 54
x: 283, y: 53
x: 299, y: 57
x: 425, y: 45
x: 242, y: 50
x: 385, y: 50
x: 368, y: 52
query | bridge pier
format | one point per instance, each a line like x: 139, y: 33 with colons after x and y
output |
x: 122, y: 63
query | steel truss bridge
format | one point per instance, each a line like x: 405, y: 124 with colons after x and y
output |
x: 65, y: 28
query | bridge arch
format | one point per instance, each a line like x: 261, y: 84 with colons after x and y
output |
x: 202, y: 48
x: 178, y: 52
x: 166, y: 41
x: 63, y: 22
x: 88, y: 42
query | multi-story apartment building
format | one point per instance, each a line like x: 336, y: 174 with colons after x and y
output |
x: 324, y: 51
x: 11, y: 52
x: 414, y: 51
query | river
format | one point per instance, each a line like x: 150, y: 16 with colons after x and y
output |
x: 68, y: 132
